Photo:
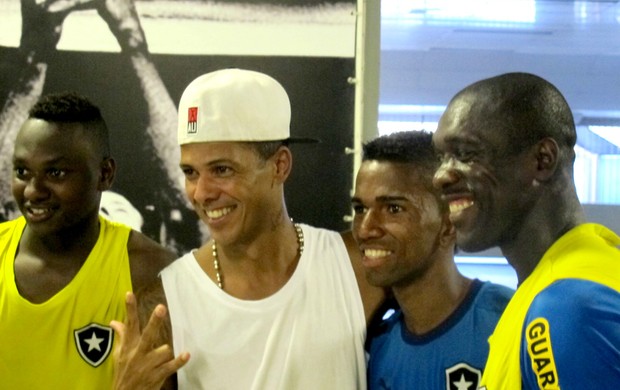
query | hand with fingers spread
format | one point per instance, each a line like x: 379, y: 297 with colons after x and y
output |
x: 42, y: 23
x: 142, y: 361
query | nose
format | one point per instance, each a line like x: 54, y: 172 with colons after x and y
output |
x: 35, y: 189
x: 367, y: 225
x: 202, y: 190
x: 446, y: 174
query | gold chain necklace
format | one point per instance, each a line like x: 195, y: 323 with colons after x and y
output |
x: 216, y: 261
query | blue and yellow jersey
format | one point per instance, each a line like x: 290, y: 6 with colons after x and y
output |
x: 562, y: 327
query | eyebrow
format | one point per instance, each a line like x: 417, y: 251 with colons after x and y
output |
x: 467, y: 139
x: 208, y: 163
x: 387, y: 198
x: 383, y: 199
x: 54, y: 161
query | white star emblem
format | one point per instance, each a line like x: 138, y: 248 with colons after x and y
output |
x: 93, y: 343
x: 462, y: 384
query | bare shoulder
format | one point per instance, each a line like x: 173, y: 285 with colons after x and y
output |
x: 372, y: 296
x: 146, y: 259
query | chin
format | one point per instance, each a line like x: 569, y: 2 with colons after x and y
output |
x: 373, y: 279
x: 471, y: 244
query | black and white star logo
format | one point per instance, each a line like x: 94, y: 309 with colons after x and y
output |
x: 94, y: 343
x: 462, y: 376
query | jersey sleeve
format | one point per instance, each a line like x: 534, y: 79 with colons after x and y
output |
x: 571, y: 337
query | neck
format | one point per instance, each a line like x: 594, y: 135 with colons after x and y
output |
x: 73, y: 244
x: 46, y: 264
x: 260, y: 269
x: 429, y: 301
x: 544, y: 225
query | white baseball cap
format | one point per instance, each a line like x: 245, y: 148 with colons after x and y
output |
x: 235, y: 105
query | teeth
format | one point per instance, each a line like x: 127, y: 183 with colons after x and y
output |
x: 39, y: 211
x: 219, y: 212
x: 376, y: 253
x: 459, y: 205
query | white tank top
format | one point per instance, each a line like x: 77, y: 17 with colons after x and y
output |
x: 308, y: 335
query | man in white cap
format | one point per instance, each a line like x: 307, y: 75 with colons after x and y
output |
x: 266, y: 303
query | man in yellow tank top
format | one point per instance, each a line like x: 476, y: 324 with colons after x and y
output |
x: 507, y: 150
x: 64, y: 270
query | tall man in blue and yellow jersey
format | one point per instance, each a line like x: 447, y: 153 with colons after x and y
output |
x: 507, y: 151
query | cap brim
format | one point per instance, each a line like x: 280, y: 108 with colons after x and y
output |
x: 302, y: 140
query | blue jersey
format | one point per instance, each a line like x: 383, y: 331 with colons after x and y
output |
x: 572, y: 346
x: 452, y: 356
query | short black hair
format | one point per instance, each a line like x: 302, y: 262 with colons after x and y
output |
x: 413, y: 147
x: 71, y: 107
x: 266, y: 149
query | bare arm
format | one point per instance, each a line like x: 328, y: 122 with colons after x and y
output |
x: 372, y: 296
x: 123, y: 21
x: 146, y: 259
x: 144, y: 360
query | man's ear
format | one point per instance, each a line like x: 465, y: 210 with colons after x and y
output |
x: 547, y: 153
x: 447, y: 234
x: 283, y: 160
x: 107, y: 170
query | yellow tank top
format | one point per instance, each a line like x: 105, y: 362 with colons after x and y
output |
x: 585, y: 252
x: 65, y: 342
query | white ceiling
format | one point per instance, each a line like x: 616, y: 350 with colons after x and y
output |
x: 431, y: 49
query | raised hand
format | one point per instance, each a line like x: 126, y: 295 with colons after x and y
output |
x: 142, y: 362
x: 123, y: 21
x: 42, y: 22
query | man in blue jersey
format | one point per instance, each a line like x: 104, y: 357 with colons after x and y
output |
x: 507, y: 151
x: 437, y: 336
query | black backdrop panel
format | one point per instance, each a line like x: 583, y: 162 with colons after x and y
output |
x: 322, y: 107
